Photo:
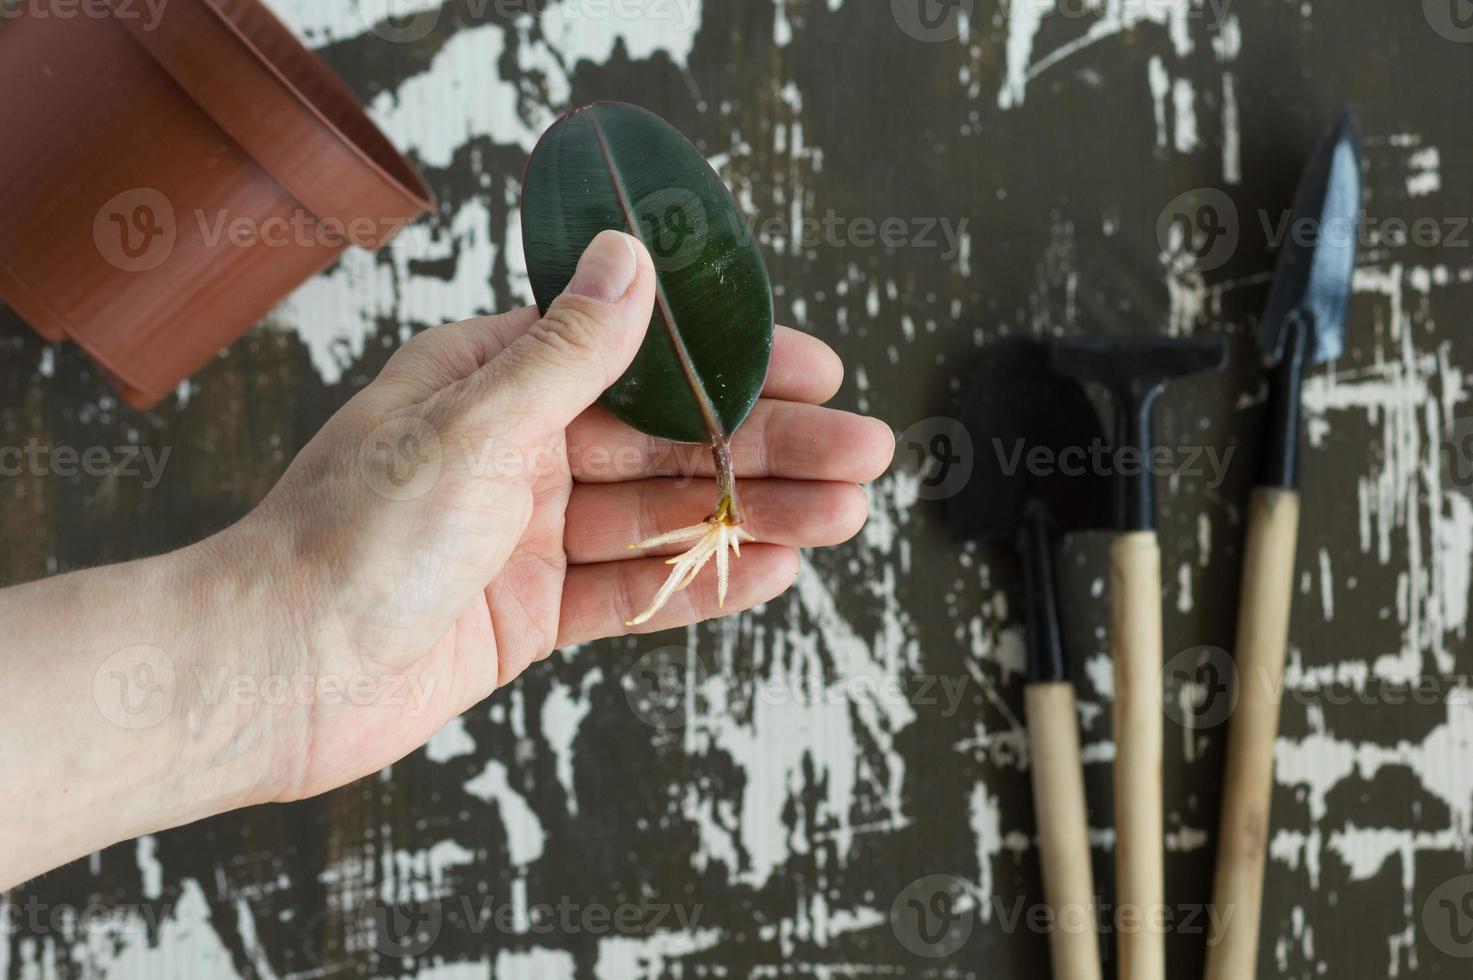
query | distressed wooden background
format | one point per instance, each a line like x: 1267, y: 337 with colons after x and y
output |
x: 767, y: 797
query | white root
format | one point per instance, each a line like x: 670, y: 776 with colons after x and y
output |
x: 716, y: 536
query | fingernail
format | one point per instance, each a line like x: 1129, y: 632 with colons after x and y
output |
x: 607, y: 269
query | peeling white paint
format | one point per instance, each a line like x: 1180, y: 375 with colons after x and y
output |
x: 1107, y: 19
x: 525, y: 838
x: 534, y: 964
x: 450, y: 742
x: 1424, y: 175
x: 462, y: 97
x: 562, y: 714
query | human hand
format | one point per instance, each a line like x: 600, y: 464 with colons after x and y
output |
x: 471, y: 510
x: 464, y: 515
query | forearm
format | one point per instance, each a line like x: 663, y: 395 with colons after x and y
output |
x: 118, y: 723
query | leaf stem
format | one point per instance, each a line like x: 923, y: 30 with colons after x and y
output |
x: 728, y: 507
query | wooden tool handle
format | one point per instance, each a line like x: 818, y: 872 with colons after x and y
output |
x: 1063, y: 830
x: 1135, y: 642
x: 1263, y: 634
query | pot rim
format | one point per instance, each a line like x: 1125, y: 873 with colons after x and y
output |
x: 300, y: 95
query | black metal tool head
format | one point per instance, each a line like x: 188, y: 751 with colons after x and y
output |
x: 1317, y: 260
x: 1036, y: 440
x: 1139, y: 365
x: 1027, y: 425
x: 1135, y: 370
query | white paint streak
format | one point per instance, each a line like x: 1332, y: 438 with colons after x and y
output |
x: 534, y: 964
x: 461, y: 97
x: 146, y: 850
x: 562, y: 714
x: 1183, y: 100
x: 984, y: 816
x: 1409, y: 520
x: 188, y: 945
x: 1107, y: 20
x: 1424, y: 175
x: 1160, y: 88
x: 450, y: 742
x: 630, y: 958
x: 1327, y: 586
x: 525, y: 838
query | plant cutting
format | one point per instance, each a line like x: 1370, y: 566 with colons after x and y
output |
x: 705, y: 358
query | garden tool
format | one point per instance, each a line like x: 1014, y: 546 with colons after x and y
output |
x: 1303, y: 325
x: 1026, y: 424
x: 1135, y: 371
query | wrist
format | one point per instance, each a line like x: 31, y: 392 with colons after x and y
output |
x: 122, y: 735
x: 193, y: 745
x: 231, y: 707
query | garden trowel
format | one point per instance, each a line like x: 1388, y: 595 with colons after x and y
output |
x: 1303, y: 325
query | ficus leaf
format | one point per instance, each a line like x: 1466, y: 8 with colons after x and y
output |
x: 705, y: 358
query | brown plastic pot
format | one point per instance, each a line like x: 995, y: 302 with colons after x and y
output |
x: 164, y: 184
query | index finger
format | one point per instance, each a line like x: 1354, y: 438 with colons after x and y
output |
x: 804, y: 368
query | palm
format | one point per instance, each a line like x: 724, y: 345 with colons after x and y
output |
x: 492, y: 596
x: 523, y: 603
x: 511, y: 624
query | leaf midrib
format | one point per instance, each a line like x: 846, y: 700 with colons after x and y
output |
x: 662, y: 302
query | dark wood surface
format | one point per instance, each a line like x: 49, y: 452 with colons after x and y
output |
x: 813, y: 769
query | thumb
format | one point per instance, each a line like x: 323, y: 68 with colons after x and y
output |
x: 587, y: 339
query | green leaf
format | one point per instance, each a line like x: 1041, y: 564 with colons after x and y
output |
x: 704, y: 361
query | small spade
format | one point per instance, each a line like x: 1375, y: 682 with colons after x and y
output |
x: 1303, y: 325
x: 1033, y: 433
